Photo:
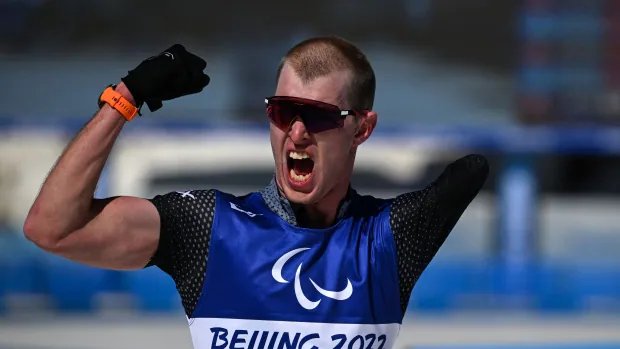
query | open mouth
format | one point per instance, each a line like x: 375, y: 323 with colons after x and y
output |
x: 300, y: 166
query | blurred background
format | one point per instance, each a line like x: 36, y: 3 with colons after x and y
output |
x: 532, y: 84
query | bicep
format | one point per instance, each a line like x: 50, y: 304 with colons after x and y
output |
x: 122, y: 233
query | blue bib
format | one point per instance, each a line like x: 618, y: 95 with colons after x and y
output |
x: 269, y: 284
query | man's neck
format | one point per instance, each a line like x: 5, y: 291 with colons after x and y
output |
x: 319, y: 215
x: 322, y: 214
x: 309, y: 216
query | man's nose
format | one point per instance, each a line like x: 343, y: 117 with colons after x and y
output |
x: 298, y: 131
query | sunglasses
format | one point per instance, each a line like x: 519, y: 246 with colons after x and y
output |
x: 316, y: 116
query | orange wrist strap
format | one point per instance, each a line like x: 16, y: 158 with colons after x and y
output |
x: 118, y: 102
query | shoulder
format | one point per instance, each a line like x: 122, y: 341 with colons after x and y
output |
x: 250, y: 199
x: 185, y: 205
x: 367, y: 205
x: 250, y: 204
x: 202, y: 198
x: 184, y: 195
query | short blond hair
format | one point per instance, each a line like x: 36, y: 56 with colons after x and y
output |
x: 321, y: 56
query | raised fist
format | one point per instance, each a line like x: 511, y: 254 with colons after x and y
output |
x: 171, y: 74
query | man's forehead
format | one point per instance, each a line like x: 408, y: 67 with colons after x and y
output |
x: 331, y: 88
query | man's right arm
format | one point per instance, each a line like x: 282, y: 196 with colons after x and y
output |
x: 120, y: 232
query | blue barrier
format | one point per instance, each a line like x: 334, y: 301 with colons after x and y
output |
x: 454, y: 285
x: 595, y: 287
x: 72, y: 286
x: 447, y: 284
x: 551, y: 283
x: 153, y: 290
x: 20, y: 269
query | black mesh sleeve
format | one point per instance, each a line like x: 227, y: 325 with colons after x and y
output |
x: 185, y: 233
x: 422, y: 220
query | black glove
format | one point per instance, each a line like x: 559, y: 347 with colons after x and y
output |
x: 173, y: 73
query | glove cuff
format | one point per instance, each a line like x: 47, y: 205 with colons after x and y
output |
x: 132, y: 86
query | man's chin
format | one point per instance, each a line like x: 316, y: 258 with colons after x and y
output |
x: 299, y: 198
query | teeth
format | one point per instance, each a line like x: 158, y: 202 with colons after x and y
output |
x: 298, y: 155
x: 298, y: 177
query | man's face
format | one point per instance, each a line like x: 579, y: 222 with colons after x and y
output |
x: 312, y: 167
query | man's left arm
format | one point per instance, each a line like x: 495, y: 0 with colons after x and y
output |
x: 421, y: 220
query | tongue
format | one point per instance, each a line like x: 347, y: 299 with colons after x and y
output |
x: 303, y: 167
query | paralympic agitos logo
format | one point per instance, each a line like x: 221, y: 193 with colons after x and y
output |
x: 306, y: 303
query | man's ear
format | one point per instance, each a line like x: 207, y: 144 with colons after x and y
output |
x: 366, y: 125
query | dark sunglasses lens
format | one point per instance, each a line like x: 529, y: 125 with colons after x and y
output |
x: 316, y: 118
x: 319, y: 119
x: 280, y: 114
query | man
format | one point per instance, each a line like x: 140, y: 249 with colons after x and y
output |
x: 304, y: 263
